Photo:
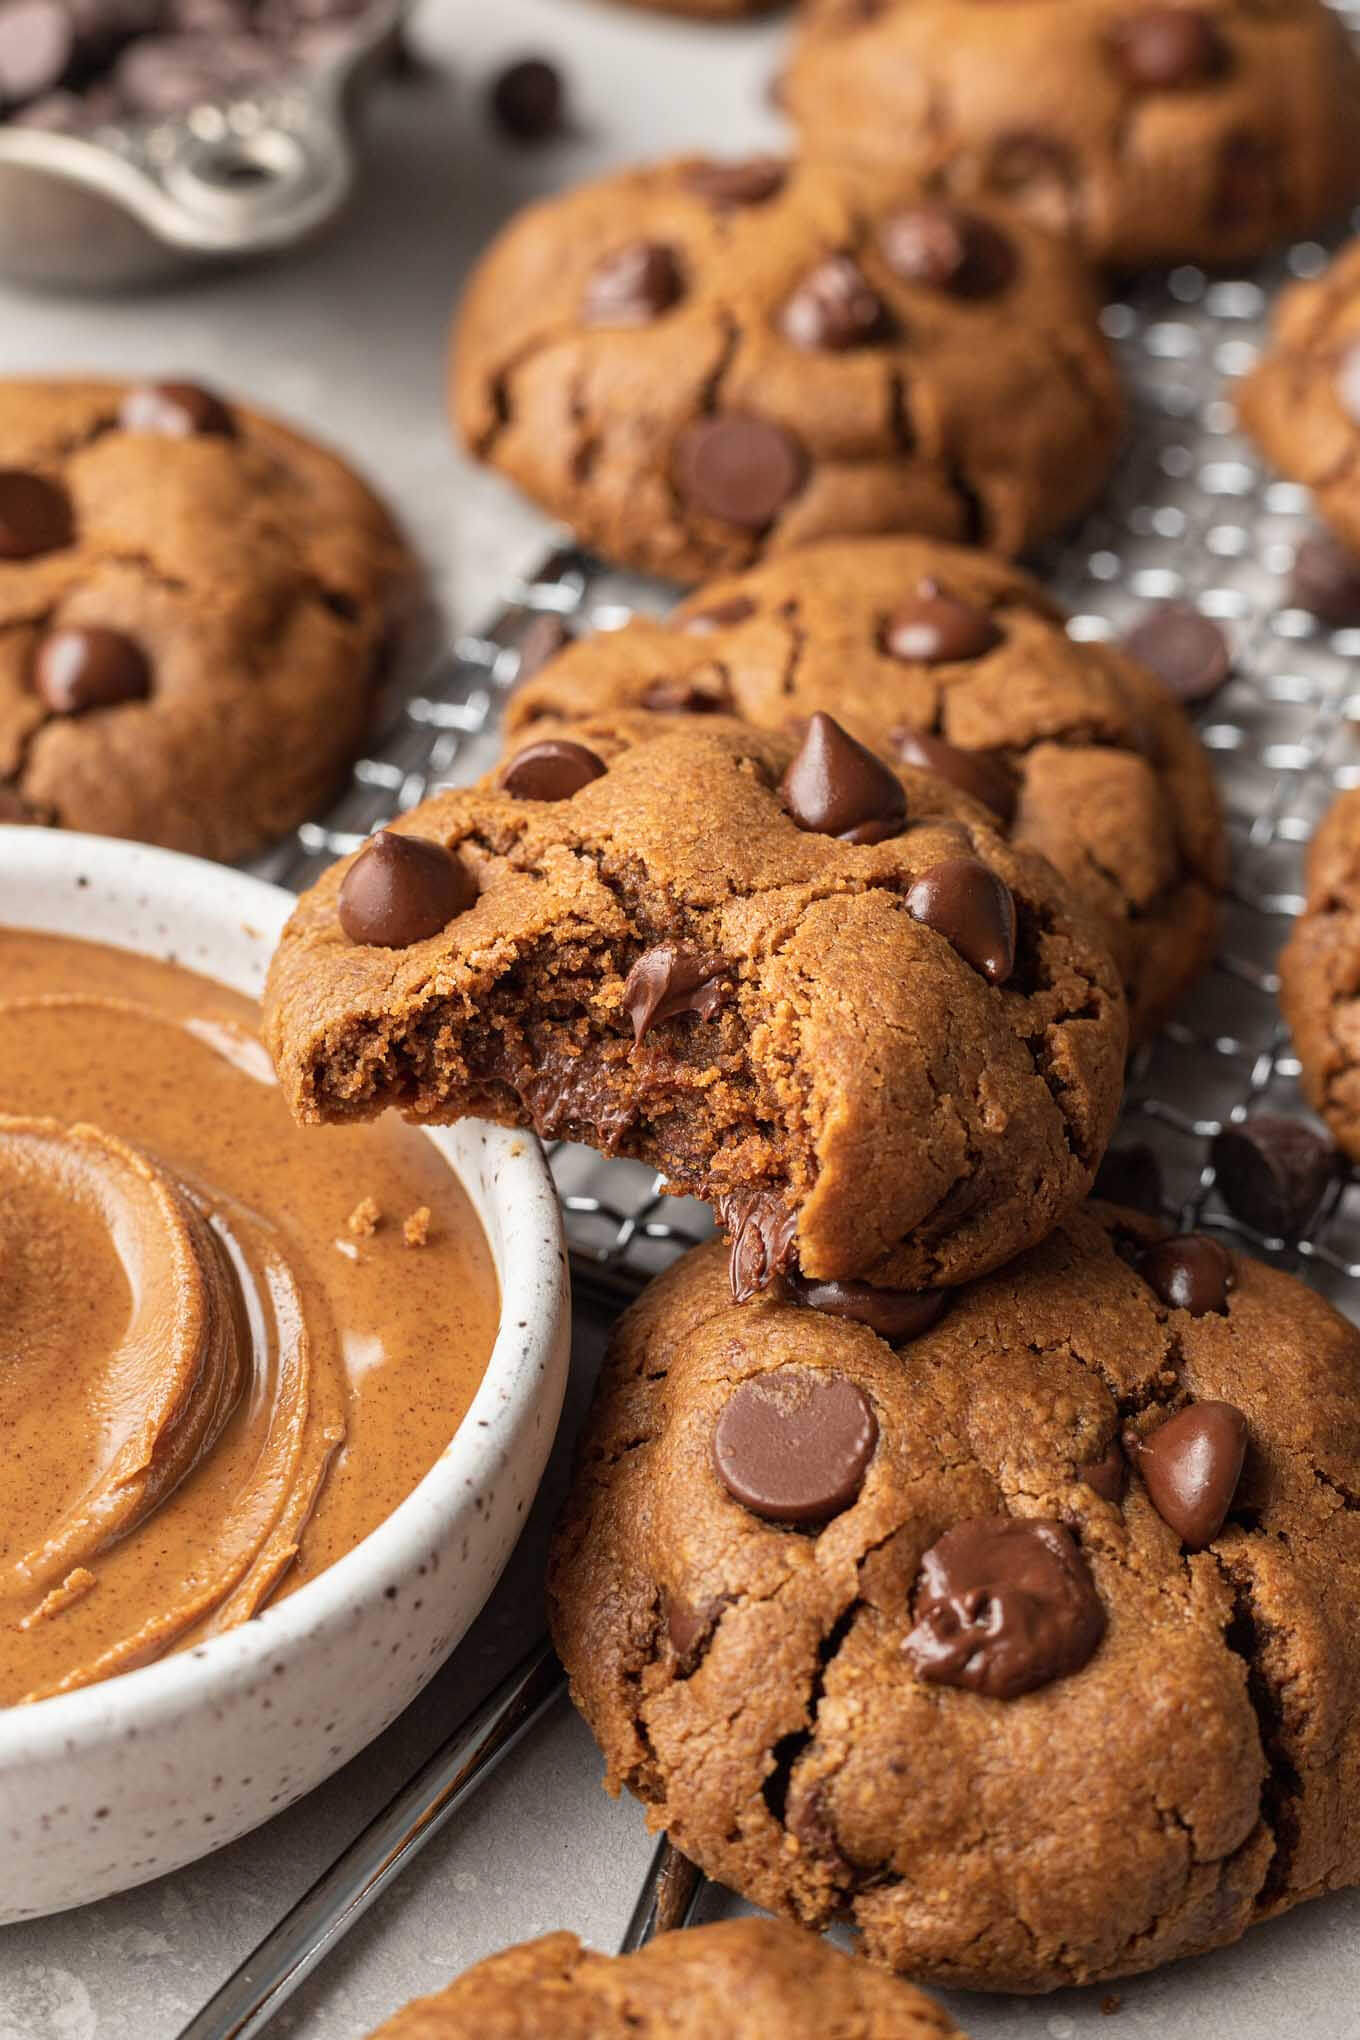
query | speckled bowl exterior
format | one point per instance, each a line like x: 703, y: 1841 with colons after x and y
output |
x: 123, y: 1781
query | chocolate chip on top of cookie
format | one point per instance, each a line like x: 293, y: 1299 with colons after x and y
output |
x: 823, y: 995
x: 835, y: 1607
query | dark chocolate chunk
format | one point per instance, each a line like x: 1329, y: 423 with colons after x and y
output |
x: 1188, y: 652
x: 837, y: 787
x: 1191, y: 1272
x: 834, y: 307
x: 528, y: 100
x: 403, y: 889
x: 935, y: 629
x: 738, y: 468
x: 1326, y: 580
x: 977, y: 773
x: 794, y: 1445
x: 553, y: 769
x: 1274, y: 1172
x: 77, y: 669
x: 895, y: 1314
x: 35, y: 515
x: 720, y: 615
x: 1108, y: 1475
x: 633, y: 285
x: 1190, y: 1466
x: 1131, y: 1176
x: 965, y: 901
x: 1004, y: 1604
x: 1164, y: 49
x: 176, y: 410
x: 725, y: 186
x: 668, y: 983
x: 764, y: 1240
x: 948, y: 249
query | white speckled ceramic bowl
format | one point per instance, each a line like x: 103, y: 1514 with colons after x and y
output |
x: 104, y: 1788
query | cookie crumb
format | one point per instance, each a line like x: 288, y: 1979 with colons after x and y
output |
x: 416, y: 1229
x: 365, y: 1219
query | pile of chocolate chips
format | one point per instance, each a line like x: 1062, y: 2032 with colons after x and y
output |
x: 68, y: 66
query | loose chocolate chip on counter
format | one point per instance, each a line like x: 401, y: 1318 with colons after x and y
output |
x: 738, y: 468
x: 528, y: 100
x: 633, y: 285
x: 1161, y: 49
x: 1274, y: 1172
x: 947, y: 249
x: 935, y: 629
x: 794, y: 1445
x: 543, y: 639
x: 554, y: 769
x: 403, y: 889
x: 75, y: 670
x: 37, y: 45
x: 35, y: 515
x: 720, y: 615
x: 834, y: 307
x: 978, y: 773
x: 725, y: 186
x: 1190, y: 1466
x: 1108, y: 1475
x: 895, y: 1314
x: 965, y: 901
x: 1326, y: 581
x: 764, y: 1240
x: 1191, y: 1272
x: 837, y: 787
x: 176, y: 410
x: 1187, y: 652
x: 1131, y: 1176
x: 1347, y: 382
x: 668, y: 983
x: 1004, y: 1604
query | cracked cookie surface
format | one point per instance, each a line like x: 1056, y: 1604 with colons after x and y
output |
x: 1077, y: 748
x: 745, y: 1979
x: 700, y: 364
x: 839, y: 1077
x: 1153, y: 133
x: 1320, y: 974
x: 752, y: 1683
x: 194, y: 601
x: 1302, y: 403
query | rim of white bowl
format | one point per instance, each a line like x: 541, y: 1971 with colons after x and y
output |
x: 517, y: 1373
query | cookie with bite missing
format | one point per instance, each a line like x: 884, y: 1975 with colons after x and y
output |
x: 826, y: 997
x: 952, y: 661
x: 1150, y: 131
x: 1021, y: 1636
x: 700, y: 364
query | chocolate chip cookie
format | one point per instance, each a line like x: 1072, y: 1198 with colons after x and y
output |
x: 951, y: 661
x: 1026, y: 1639
x: 827, y: 997
x: 194, y: 603
x: 1320, y: 974
x: 1152, y: 132
x: 1302, y: 404
x: 699, y: 364
x: 745, y: 1979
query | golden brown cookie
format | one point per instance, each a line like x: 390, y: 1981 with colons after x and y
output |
x: 1153, y: 131
x: 1320, y: 974
x: 194, y: 602
x: 1027, y: 1641
x: 742, y: 1979
x: 1302, y: 404
x: 827, y: 998
x: 699, y: 364
x: 954, y: 661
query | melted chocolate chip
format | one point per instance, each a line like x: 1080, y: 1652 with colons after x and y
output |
x: 1274, y: 1172
x: 726, y: 186
x: 973, y: 909
x: 75, y: 670
x: 1191, y: 1272
x: 977, y: 773
x: 528, y: 100
x: 1188, y: 653
x: 1190, y: 1467
x: 764, y: 1236
x: 1004, y: 1604
x: 553, y: 769
x: 668, y: 983
x: 1108, y: 1475
x: 689, y: 1627
x: 1131, y: 1176
x: 633, y: 286
x: 720, y: 615
x: 738, y: 468
x: 35, y: 515
x: 947, y: 249
x: 835, y: 307
x: 542, y: 640
x: 936, y: 629
x: 403, y: 889
x: 1326, y: 578
x: 1347, y: 382
x: 837, y: 787
x: 694, y: 696
x: 895, y: 1314
x: 794, y: 1445
x: 1164, y: 49
x: 176, y: 410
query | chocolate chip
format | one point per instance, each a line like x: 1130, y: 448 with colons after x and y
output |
x: 738, y: 468
x: 973, y: 909
x: 837, y: 787
x: 1190, y: 1467
x: 834, y: 307
x: 553, y: 769
x: 794, y: 1445
x: 1191, y: 1272
x: 764, y: 1236
x: 1326, y: 576
x: 1274, y: 1172
x: 176, y: 410
x: 725, y: 186
x: 689, y: 1627
x: 1108, y: 1475
x: 37, y: 44
x: 936, y: 629
x: 1132, y: 1177
x: 669, y: 982
x: 895, y: 1314
x: 1348, y: 382
x: 403, y: 889
x: 1004, y: 1604
x: 978, y: 773
x: 542, y: 640
x: 719, y: 615
x: 633, y: 286
x: 79, y: 669
x: 528, y: 100
x: 947, y: 249
x: 35, y: 515
x: 1161, y: 49
x: 1187, y: 652
x: 693, y: 696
